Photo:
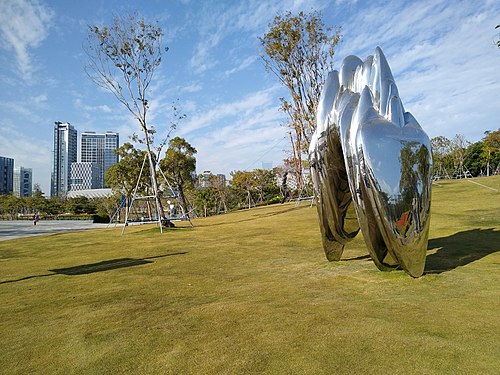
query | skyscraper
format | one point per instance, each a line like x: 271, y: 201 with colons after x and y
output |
x: 100, y: 150
x: 23, y: 182
x: 65, y: 153
x: 6, y: 175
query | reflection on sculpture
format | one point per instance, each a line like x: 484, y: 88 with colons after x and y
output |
x: 371, y: 165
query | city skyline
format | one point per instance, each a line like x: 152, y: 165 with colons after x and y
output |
x: 442, y: 54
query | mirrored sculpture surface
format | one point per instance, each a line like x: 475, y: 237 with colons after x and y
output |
x: 371, y: 165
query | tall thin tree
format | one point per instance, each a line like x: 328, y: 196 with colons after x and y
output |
x: 123, y: 59
x: 299, y: 50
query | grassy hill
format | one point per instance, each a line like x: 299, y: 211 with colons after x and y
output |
x: 252, y: 292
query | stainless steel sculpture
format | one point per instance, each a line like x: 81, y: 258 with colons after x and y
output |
x: 371, y: 164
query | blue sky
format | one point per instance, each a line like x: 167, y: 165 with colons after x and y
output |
x: 442, y: 54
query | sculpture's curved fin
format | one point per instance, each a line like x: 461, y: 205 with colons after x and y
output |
x: 348, y: 70
x: 326, y: 99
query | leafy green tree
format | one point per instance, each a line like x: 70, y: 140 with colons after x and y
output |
x: 491, y: 148
x: 441, y: 155
x: 299, y: 50
x: 107, y: 206
x: 37, y: 202
x: 474, y: 159
x: 234, y: 200
x: 123, y: 175
x: 206, y: 200
x: 123, y: 58
x: 10, y: 205
x: 81, y: 205
x: 458, y: 147
x: 243, y: 183
x: 265, y: 185
x: 55, y: 206
x: 221, y: 193
x: 37, y: 191
x: 179, y: 164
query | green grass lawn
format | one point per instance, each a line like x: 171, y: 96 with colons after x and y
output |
x: 252, y: 292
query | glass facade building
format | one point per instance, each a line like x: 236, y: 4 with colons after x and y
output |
x: 84, y: 176
x: 99, y: 149
x: 6, y: 175
x: 65, y: 153
x: 23, y: 185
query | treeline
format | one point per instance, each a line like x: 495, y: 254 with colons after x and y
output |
x: 177, y: 186
x: 459, y: 158
x: 246, y: 189
x: 98, y: 209
x: 177, y: 181
x: 453, y: 158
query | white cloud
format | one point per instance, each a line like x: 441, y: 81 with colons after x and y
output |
x: 24, y: 25
x: 442, y: 58
x: 40, y: 99
x: 245, y: 107
x: 243, y: 145
x: 202, y: 60
x: 28, y: 110
x: 193, y: 87
x: 229, y: 135
x: 27, y: 152
x: 242, y: 65
x: 103, y: 108
x: 216, y: 24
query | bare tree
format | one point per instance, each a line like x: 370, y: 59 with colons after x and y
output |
x: 441, y: 151
x: 123, y: 58
x: 458, y: 147
x: 221, y: 191
x: 299, y: 50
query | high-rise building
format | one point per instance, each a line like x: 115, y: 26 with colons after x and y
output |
x: 220, y: 180
x: 23, y: 182
x: 65, y: 153
x: 207, y: 179
x: 100, y: 150
x: 84, y: 176
x: 6, y: 175
x: 204, y: 179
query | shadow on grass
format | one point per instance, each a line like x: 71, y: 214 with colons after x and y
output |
x: 106, y: 265
x: 156, y: 230
x: 361, y: 257
x: 461, y: 248
x: 257, y: 216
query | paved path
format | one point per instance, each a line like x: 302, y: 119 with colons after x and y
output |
x: 24, y: 228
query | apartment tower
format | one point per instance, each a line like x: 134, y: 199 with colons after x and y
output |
x: 23, y: 185
x: 6, y: 175
x: 65, y: 153
x: 99, y: 149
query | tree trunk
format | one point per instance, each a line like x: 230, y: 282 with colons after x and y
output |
x: 184, y: 206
